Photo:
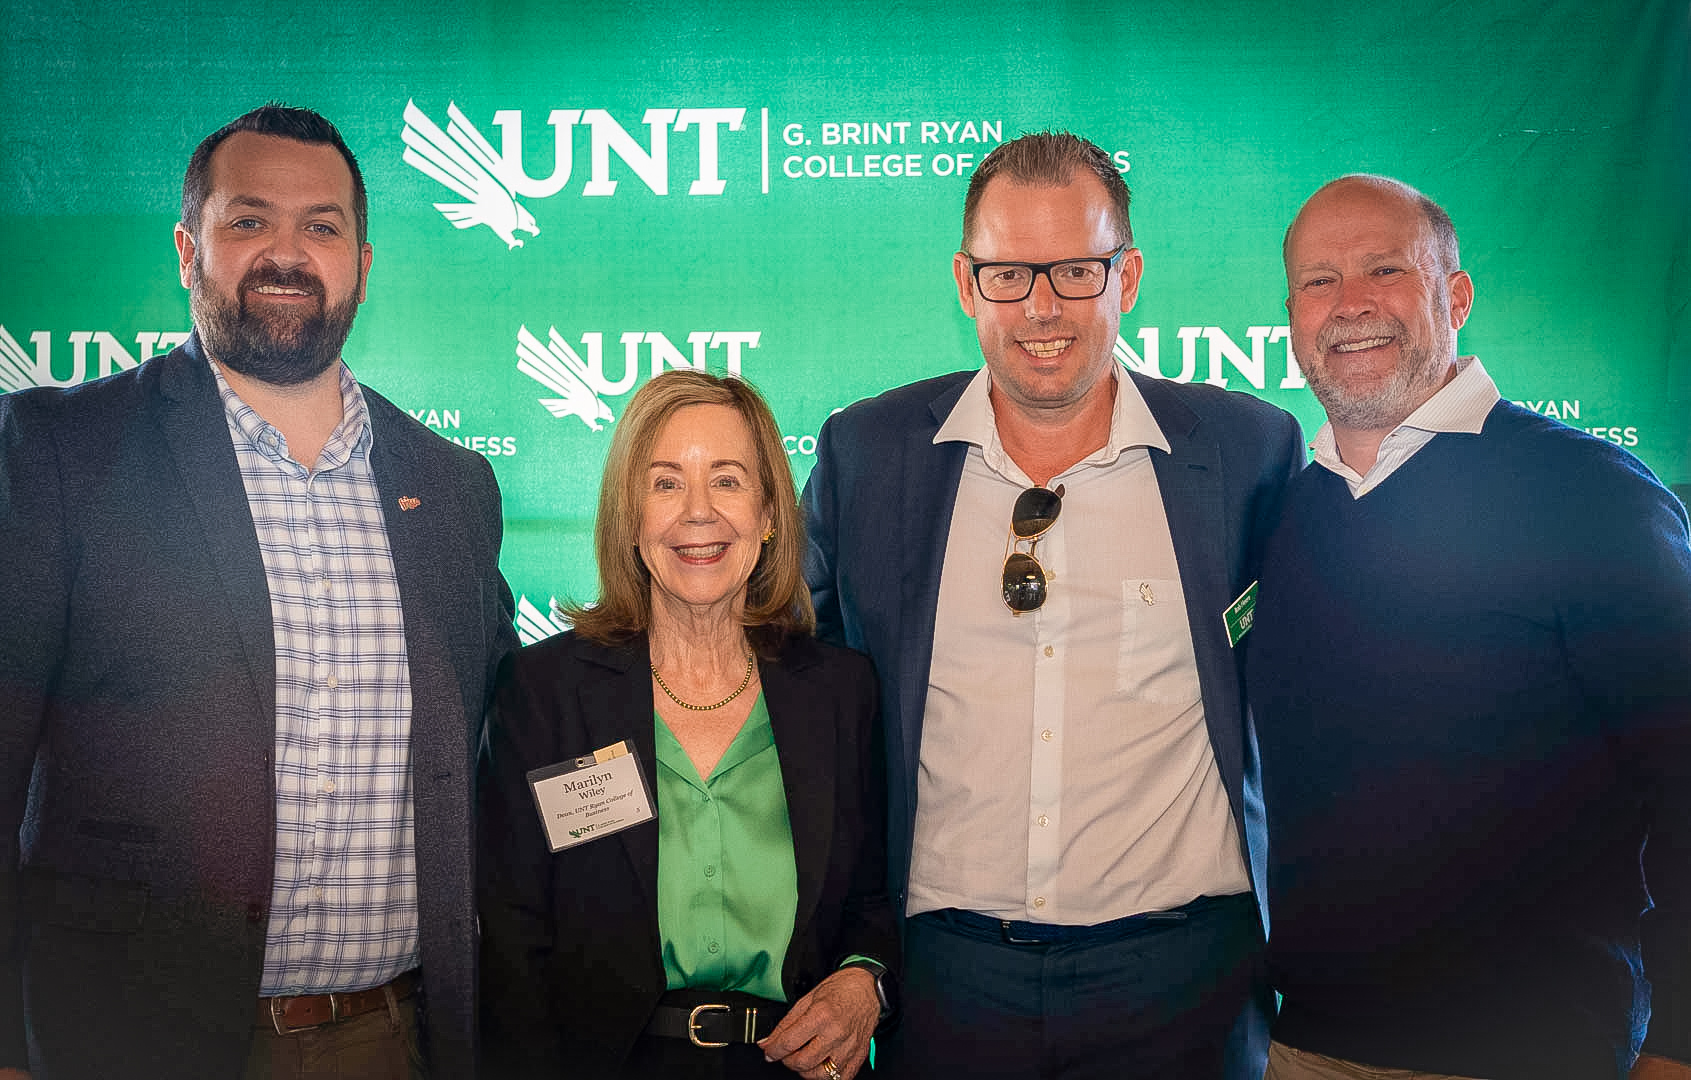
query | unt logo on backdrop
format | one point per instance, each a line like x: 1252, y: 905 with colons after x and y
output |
x: 579, y: 385
x: 492, y: 183
x: 18, y: 369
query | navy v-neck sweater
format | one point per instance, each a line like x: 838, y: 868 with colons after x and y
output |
x: 1472, y: 689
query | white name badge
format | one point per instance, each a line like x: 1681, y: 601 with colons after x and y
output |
x: 591, y: 796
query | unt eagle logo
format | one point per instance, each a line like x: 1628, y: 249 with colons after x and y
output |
x: 557, y: 367
x: 1145, y: 365
x: 17, y: 369
x: 534, y: 624
x: 464, y: 161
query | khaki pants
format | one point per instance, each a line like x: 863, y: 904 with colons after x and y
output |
x: 1288, y: 1063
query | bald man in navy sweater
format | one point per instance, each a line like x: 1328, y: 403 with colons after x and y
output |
x: 1471, y: 680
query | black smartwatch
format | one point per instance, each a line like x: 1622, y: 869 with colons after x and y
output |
x: 886, y: 987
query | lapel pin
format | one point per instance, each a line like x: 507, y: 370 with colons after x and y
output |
x: 1146, y: 594
x: 409, y: 502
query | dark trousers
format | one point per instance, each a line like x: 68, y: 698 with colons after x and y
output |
x: 659, y: 1058
x: 380, y: 1045
x: 1171, y: 996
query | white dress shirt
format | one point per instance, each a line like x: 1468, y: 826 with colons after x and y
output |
x: 1066, y: 774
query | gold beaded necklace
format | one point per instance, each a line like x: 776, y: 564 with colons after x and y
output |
x: 751, y: 661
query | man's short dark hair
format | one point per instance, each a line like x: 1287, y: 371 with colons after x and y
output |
x: 281, y: 121
x: 1047, y: 159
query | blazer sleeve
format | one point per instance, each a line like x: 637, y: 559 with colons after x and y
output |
x: 820, y: 505
x: 35, y: 584
x: 1286, y: 459
x: 514, y: 889
x: 502, y: 642
x: 869, y: 925
x: 1282, y: 456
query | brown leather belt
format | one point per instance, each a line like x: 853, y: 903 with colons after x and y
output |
x: 287, y: 1015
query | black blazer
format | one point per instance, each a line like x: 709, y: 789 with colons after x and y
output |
x: 138, y: 684
x: 571, y: 957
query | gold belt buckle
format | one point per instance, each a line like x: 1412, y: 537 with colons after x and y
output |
x: 693, y: 1026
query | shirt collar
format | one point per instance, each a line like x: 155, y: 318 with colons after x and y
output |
x: 352, y: 435
x: 972, y: 421
x: 1460, y: 405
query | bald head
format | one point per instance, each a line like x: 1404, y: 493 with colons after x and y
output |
x: 1441, y: 232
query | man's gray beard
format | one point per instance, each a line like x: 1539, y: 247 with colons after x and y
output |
x: 1387, y: 406
x: 275, y: 348
x: 1379, y: 409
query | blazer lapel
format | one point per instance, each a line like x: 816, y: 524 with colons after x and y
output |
x: 432, y: 572
x: 421, y: 574
x: 929, y: 486
x: 198, y: 437
x: 615, y: 707
x: 1190, y: 479
x: 804, y: 742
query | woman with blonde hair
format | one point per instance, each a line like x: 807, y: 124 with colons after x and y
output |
x: 682, y: 854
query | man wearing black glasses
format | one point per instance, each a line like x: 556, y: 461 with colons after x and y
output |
x: 1040, y: 556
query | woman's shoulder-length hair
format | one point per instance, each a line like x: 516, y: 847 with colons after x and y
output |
x: 777, y: 599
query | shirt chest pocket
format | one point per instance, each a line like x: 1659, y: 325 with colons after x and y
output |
x: 1155, y: 661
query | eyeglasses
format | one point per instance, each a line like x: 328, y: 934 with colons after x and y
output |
x: 1024, y: 579
x: 1071, y: 279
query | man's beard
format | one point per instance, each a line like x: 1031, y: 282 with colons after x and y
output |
x: 282, y: 348
x: 1384, y: 405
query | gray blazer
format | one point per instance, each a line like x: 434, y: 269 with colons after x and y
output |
x: 137, y: 721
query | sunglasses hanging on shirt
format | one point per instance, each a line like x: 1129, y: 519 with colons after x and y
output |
x: 1035, y: 512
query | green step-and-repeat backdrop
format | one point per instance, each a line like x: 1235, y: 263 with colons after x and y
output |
x: 568, y: 198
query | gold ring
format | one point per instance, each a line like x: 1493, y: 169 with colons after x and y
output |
x: 830, y: 1068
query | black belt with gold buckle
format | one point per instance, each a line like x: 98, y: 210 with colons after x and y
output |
x: 713, y: 1019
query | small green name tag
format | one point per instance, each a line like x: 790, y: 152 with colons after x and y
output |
x: 1240, y: 614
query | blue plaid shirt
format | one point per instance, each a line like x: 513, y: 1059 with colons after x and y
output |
x: 343, y: 908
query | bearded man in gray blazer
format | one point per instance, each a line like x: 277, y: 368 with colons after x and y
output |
x: 254, y: 616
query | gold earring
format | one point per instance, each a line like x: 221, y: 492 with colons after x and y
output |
x: 768, y: 536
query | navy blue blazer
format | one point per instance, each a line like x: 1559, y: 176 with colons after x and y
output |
x: 878, y: 511
x: 137, y: 720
